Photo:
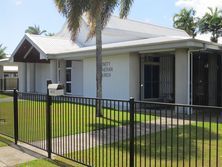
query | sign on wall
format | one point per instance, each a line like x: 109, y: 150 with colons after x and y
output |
x: 107, y: 69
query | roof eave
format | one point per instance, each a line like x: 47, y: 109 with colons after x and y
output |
x: 184, y: 43
x: 43, y: 55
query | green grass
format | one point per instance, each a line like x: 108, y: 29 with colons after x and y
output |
x: 38, y: 163
x: 67, y: 119
x: 6, y: 118
x: 4, y: 96
x: 2, y: 144
x: 109, y: 154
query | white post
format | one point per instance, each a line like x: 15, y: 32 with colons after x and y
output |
x: 53, y: 71
x: 182, y: 76
x: 182, y: 79
x: 22, y: 76
x: 30, y: 77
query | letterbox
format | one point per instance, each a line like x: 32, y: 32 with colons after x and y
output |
x: 56, y: 89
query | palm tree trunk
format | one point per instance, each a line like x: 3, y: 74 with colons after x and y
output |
x: 98, y: 65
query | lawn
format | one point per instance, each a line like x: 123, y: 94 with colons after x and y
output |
x: 4, y: 96
x: 2, y: 144
x: 67, y: 119
x: 176, y: 141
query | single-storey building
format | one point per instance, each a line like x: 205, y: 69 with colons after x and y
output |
x: 140, y: 60
x: 8, y: 74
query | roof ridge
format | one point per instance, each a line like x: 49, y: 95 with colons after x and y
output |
x: 52, y: 37
x: 146, y: 23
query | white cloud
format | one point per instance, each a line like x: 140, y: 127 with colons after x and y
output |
x: 206, y: 37
x: 201, y: 6
x: 18, y: 2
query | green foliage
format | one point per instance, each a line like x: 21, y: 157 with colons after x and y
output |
x: 2, y: 51
x: 49, y: 34
x: 186, y: 21
x: 212, y: 22
x: 35, y: 30
x: 73, y: 10
x: 37, y: 163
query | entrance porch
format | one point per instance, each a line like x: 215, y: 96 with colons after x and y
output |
x: 182, y: 76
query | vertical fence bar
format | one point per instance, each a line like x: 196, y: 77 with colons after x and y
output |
x: 48, y: 121
x: 15, y: 100
x: 132, y: 102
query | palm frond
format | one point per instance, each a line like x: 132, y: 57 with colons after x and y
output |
x: 125, y: 6
x: 2, y: 51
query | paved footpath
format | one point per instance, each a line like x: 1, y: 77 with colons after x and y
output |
x: 10, y: 156
x: 84, y: 141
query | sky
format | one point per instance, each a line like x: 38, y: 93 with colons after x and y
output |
x: 17, y: 15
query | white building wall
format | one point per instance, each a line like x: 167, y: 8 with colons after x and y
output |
x: 116, y: 82
x: 22, y: 76
x: 30, y: 77
x: 53, y: 70
x: 77, y: 78
x: 61, y: 73
x: 42, y: 75
x: 134, y: 76
x: 182, y: 79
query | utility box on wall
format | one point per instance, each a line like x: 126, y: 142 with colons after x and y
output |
x: 56, y: 89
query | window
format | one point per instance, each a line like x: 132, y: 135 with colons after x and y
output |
x: 151, y: 77
x: 68, y: 76
x: 68, y: 64
x: 151, y: 81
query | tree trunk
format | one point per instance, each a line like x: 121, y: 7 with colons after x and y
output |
x: 98, y: 65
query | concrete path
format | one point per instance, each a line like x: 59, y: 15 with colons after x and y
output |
x: 79, y: 142
x: 11, y: 157
x: 7, y: 99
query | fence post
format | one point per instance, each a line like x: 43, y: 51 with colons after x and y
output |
x: 15, y: 101
x: 132, y: 103
x: 48, y: 122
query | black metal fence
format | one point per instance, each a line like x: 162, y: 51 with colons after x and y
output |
x: 128, y: 133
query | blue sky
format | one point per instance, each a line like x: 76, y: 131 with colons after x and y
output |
x: 17, y: 15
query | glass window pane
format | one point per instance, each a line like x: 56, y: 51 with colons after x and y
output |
x: 68, y: 88
x: 68, y: 75
x: 68, y: 63
x: 156, y: 73
x: 151, y: 81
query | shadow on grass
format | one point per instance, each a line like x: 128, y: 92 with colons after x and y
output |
x: 181, y: 143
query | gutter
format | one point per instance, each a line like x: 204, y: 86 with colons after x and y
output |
x: 125, y: 48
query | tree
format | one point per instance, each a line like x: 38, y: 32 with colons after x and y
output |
x: 212, y: 23
x: 35, y: 30
x: 49, y: 34
x: 2, y: 52
x: 186, y: 20
x: 98, y: 13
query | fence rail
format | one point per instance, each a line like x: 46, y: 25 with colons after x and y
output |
x: 127, y: 133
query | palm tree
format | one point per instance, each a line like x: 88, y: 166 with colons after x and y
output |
x: 186, y: 21
x: 98, y: 13
x: 2, y: 51
x: 212, y: 22
x: 49, y: 34
x: 35, y: 30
